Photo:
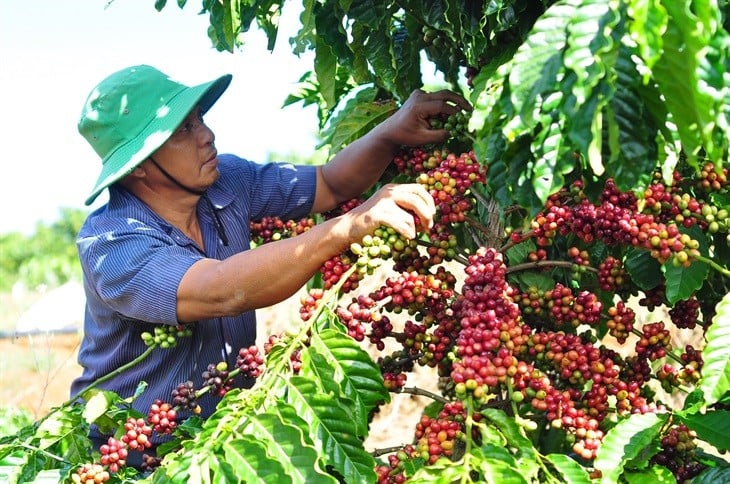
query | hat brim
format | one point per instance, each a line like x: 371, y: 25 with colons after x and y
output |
x: 128, y: 156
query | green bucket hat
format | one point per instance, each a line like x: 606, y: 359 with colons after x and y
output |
x: 133, y: 112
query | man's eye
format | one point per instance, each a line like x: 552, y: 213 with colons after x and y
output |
x: 185, y: 128
x: 190, y: 125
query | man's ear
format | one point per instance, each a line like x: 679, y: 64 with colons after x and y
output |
x: 139, y: 171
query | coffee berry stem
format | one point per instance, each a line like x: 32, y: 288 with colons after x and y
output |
x: 516, y: 238
x: 386, y: 450
x: 424, y: 393
x: 114, y: 373
x: 469, y: 424
x: 44, y: 452
x: 545, y: 263
x: 512, y: 401
x: 722, y: 270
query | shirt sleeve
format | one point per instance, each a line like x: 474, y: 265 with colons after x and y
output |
x: 277, y: 189
x: 136, y: 271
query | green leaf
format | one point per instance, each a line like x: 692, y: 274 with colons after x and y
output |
x: 199, y: 468
x: 51, y: 476
x: 36, y: 462
x: 332, y: 425
x: 535, y: 67
x: 407, y: 57
x: 175, y: 473
x: 635, y: 147
x: 325, y: 66
x: 222, y: 472
x: 570, y: 471
x: 655, y: 474
x: 356, y: 118
x: 247, y: 456
x: 643, y: 269
x: 693, y: 403
x: 539, y: 280
x: 57, y: 427
x: 682, y: 282
x: 589, y: 41
x: 98, y: 404
x: 496, y: 462
x: 688, y: 79
x: 625, y: 442
x: 315, y: 465
x: 713, y: 476
x: 443, y: 471
x: 328, y: 26
x: 378, y: 51
x: 285, y: 442
x: 518, y: 253
x: 712, y: 427
x: 526, y: 455
x: 355, y: 371
x: 648, y: 21
x: 547, y: 174
x: 317, y: 368
x: 77, y: 446
x: 716, y: 354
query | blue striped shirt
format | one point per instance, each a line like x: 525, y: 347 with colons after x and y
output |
x: 133, y: 262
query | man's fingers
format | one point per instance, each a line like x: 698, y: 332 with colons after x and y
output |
x: 453, y: 101
x: 419, y: 201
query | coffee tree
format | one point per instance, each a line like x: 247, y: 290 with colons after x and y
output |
x: 570, y: 302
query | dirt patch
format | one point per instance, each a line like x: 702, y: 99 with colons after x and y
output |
x: 37, y: 371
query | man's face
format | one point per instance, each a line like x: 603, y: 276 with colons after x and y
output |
x: 189, y: 155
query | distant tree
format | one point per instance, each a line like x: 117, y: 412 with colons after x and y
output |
x: 46, y: 257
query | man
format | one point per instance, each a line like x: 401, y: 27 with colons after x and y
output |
x: 171, y: 246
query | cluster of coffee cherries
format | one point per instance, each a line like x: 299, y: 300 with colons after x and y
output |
x: 90, y: 474
x: 114, y: 453
x: 685, y: 313
x: 250, y: 362
x: 689, y: 373
x: 270, y: 229
x: 677, y: 203
x: 615, y: 220
x: 620, y: 323
x: 561, y: 306
x: 678, y: 453
x: 457, y: 124
x: 489, y: 333
x: 217, y: 377
x: 166, y: 336
x: 435, y: 437
x: 612, y: 277
x: 274, y: 340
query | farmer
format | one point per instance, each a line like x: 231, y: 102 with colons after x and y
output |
x: 171, y: 246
